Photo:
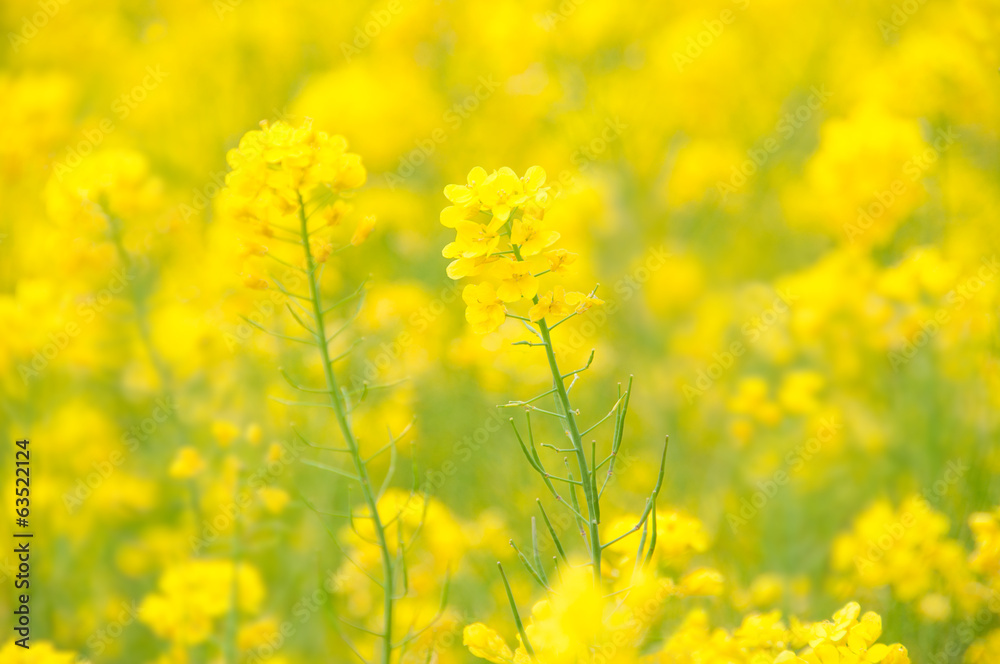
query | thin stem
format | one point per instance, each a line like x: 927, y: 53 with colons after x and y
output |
x: 563, y: 404
x: 138, y: 301
x: 562, y: 400
x: 339, y: 407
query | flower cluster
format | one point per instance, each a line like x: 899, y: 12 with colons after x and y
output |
x: 908, y: 549
x: 806, y: 275
x: 501, y: 238
x: 196, y: 593
x: 38, y: 653
x: 849, y: 638
x: 985, y: 559
x: 576, y: 622
x: 985, y: 650
x: 283, y: 175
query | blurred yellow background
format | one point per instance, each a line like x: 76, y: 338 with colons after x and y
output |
x: 790, y: 212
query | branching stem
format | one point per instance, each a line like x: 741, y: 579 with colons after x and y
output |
x: 340, y: 409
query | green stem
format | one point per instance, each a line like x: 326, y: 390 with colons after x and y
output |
x: 562, y: 401
x: 340, y: 408
x: 139, y: 304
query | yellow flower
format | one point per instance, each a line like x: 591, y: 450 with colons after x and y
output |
x: 253, y: 433
x: 582, y: 302
x: 472, y: 240
x: 274, y: 499
x: 470, y: 267
x: 363, y: 230
x: 333, y: 214
x: 486, y: 644
x: 481, y: 248
x: 257, y: 633
x: 558, y: 304
x: 249, y: 248
x: 224, y: 432
x: 39, y: 653
x: 501, y: 192
x: 254, y: 282
x: 552, y: 304
x: 865, y: 632
x: 194, y: 593
x: 187, y: 463
x: 321, y: 249
x: 702, y: 582
x: 276, y: 171
x: 530, y: 238
x: 897, y: 655
x: 453, y: 214
x: 533, y: 180
x: 516, y: 280
x: 560, y: 260
x: 484, y: 310
x: 835, y: 631
x: 467, y: 194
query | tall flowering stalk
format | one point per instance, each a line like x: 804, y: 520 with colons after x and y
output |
x: 285, y: 188
x: 504, y: 244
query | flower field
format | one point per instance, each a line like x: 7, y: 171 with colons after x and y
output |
x: 534, y: 331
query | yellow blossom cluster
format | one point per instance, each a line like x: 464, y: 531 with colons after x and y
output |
x: 908, y: 549
x: 985, y: 559
x: 282, y: 177
x: 849, y: 638
x: 576, y: 623
x: 791, y: 217
x: 502, y: 238
x: 38, y: 653
x: 193, y: 595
